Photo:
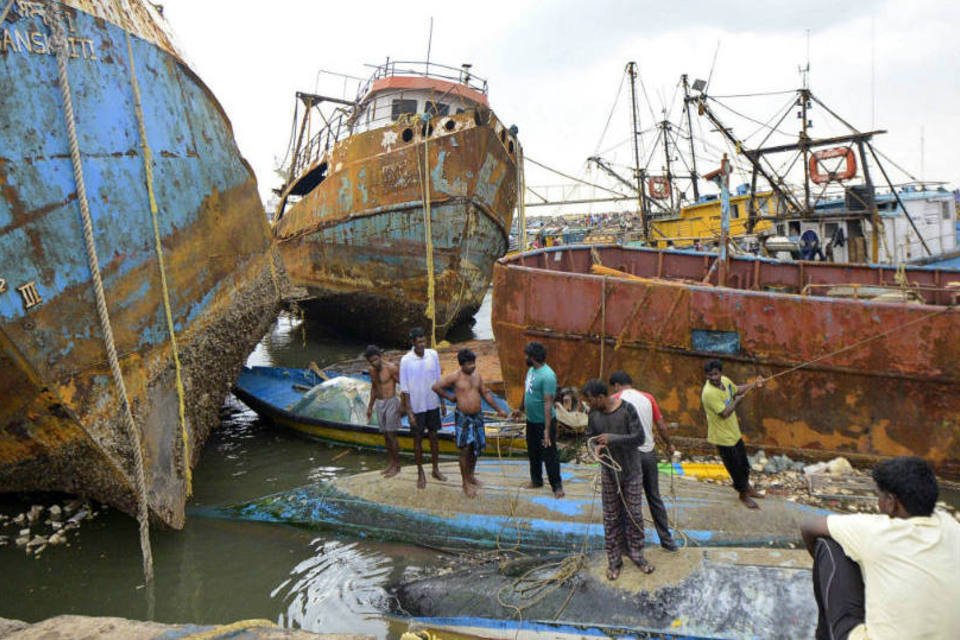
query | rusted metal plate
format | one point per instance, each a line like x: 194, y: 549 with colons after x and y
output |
x: 893, y: 392
x: 356, y: 242
x: 60, y: 428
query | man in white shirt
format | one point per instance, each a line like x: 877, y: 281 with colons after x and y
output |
x: 419, y: 371
x: 895, y: 575
x: 622, y: 385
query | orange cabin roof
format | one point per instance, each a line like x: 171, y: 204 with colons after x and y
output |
x: 395, y: 83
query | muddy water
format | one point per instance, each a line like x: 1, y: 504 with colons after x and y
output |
x: 217, y: 571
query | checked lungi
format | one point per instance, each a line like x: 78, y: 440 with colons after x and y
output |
x: 470, y: 432
x: 622, y: 516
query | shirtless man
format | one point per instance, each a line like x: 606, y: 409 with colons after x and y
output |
x: 468, y: 388
x: 384, y: 377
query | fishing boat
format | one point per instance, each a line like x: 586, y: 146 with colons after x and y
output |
x: 396, y: 208
x: 865, y: 359
x: 134, y: 267
x: 276, y: 393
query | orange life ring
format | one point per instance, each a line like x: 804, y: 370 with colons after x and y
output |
x: 659, y: 187
x: 849, y: 169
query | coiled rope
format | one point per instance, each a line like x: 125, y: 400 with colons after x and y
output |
x: 59, y: 42
x: 158, y: 249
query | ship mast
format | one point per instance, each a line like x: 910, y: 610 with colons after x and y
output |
x: 638, y: 172
x: 665, y: 132
x: 693, y: 154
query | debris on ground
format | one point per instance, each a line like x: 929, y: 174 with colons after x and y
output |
x: 45, y: 525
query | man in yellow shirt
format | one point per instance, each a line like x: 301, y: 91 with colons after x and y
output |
x: 720, y: 398
x: 892, y: 575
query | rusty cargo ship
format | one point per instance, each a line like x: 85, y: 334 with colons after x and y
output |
x: 131, y: 234
x: 870, y: 354
x: 395, y: 210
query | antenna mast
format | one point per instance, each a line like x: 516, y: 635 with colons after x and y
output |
x: 429, y: 45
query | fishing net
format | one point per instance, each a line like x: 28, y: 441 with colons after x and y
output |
x: 341, y: 399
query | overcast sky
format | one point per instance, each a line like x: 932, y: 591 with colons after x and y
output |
x: 554, y: 67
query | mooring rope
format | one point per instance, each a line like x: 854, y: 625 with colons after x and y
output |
x: 133, y: 434
x: 431, y: 311
x: 158, y: 249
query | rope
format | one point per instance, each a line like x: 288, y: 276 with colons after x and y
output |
x: 158, y: 249
x: 6, y: 10
x: 859, y: 343
x: 133, y: 434
x: 603, y: 322
x: 431, y: 311
x: 233, y: 627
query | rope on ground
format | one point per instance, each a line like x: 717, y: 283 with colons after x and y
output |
x: 158, y: 249
x: 232, y: 628
x: 139, y: 479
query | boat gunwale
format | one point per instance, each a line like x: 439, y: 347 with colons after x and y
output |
x: 514, y: 262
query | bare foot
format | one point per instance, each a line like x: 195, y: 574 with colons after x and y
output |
x: 475, y: 481
x: 748, y: 501
x: 470, y: 490
x: 439, y: 476
x: 613, y: 573
x: 559, y: 493
x: 391, y: 471
x: 421, y: 480
x: 753, y: 493
x: 530, y: 485
x: 644, y: 566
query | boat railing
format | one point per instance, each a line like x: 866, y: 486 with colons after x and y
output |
x: 462, y: 74
x: 871, y: 291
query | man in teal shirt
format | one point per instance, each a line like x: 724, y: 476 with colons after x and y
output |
x: 540, y: 388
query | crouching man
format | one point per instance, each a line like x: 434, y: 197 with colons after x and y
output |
x: 892, y: 575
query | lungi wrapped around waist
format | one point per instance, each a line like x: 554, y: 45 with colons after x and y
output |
x: 470, y: 431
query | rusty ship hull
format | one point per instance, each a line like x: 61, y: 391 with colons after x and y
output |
x: 357, y: 244
x: 61, y: 420
x: 879, y: 379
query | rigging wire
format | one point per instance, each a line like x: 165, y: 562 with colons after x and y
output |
x: 569, y: 177
x: 613, y: 108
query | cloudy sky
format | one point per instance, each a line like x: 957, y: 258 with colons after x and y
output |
x: 555, y: 67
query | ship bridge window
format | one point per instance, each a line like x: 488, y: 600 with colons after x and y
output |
x: 400, y: 106
x: 734, y: 211
x: 945, y: 207
x: 437, y: 108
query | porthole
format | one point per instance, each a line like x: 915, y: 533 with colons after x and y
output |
x: 449, y: 125
x: 510, y: 146
x: 426, y: 131
x: 503, y: 136
x: 407, y: 134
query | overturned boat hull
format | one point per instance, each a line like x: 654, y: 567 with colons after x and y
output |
x: 62, y: 426
x: 867, y: 379
x: 696, y: 593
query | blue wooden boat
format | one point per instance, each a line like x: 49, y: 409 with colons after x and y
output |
x: 177, y: 235
x: 273, y: 391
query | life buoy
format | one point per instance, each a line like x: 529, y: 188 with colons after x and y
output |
x: 659, y: 187
x: 849, y: 169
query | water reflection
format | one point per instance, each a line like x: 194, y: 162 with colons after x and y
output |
x: 339, y: 589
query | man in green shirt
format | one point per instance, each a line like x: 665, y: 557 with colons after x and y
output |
x: 720, y: 398
x: 540, y: 387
